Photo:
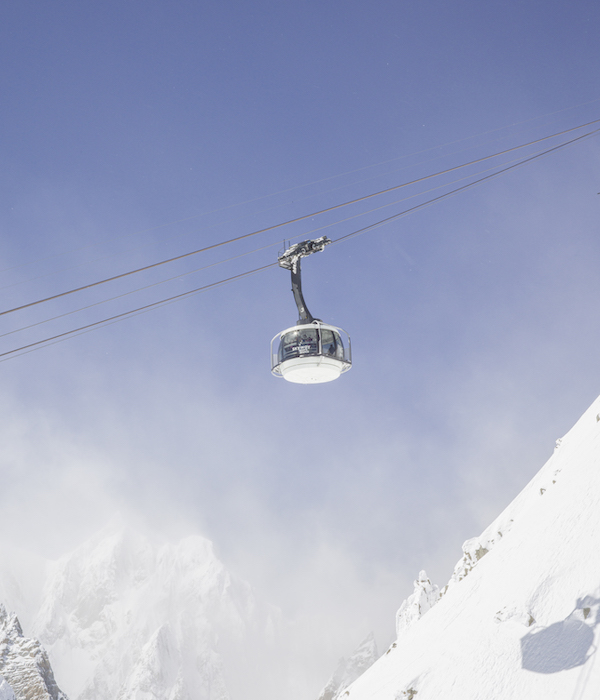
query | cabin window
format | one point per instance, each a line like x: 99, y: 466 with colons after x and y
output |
x: 332, y: 345
x: 299, y: 343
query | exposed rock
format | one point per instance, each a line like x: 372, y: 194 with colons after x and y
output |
x: 424, y: 597
x: 24, y: 666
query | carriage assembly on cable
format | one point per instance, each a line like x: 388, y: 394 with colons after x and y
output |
x: 311, y: 352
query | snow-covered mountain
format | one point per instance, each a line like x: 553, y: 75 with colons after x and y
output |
x: 520, y: 617
x: 348, y: 670
x: 25, y: 672
x: 127, y: 618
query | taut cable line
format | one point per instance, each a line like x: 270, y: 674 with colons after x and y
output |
x: 140, y: 309
x: 297, y: 219
x: 113, y: 319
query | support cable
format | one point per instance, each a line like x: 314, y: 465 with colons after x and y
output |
x: 326, y: 179
x: 463, y: 187
x: 31, y: 346
x: 125, y: 314
x: 270, y: 245
x: 295, y: 220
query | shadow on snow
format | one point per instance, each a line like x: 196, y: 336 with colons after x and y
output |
x: 563, y: 645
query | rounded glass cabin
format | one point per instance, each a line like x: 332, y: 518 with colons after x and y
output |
x: 311, y: 353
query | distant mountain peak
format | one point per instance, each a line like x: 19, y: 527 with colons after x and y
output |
x: 350, y: 669
x: 127, y: 615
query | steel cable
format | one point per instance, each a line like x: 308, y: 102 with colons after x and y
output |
x: 112, y: 319
x: 292, y: 221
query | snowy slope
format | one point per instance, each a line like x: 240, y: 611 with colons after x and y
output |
x: 25, y: 672
x: 127, y: 618
x: 520, y: 617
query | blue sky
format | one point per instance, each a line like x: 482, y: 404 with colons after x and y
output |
x: 134, y: 132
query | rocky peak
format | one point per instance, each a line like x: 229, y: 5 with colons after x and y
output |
x: 25, y: 672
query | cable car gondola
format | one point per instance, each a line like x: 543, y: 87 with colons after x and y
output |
x: 311, y: 352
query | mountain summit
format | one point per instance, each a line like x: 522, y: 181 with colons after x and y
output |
x: 124, y: 616
x: 520, y: 617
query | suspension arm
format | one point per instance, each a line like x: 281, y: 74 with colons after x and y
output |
x: 290, y: 260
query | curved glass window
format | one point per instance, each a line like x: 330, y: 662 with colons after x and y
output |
x: 299, y: 343
x: 311, y: 341
x: 331, y: 344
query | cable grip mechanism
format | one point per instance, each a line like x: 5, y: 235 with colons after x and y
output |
x: 290, y: 260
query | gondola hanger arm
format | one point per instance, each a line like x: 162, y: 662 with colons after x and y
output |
x: 290, y: 260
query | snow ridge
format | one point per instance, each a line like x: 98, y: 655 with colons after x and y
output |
x: 520, y: 616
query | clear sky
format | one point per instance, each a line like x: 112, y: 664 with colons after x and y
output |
x: 135, y: 131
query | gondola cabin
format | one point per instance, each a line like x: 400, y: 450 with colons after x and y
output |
x: 311, y: 353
